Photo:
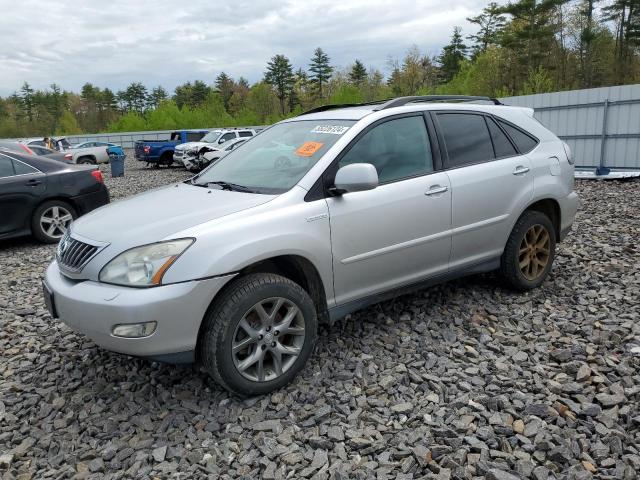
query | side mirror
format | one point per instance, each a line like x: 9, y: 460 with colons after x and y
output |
x: 356, y: 177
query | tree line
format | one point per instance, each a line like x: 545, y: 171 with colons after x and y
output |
x: 522, y: 47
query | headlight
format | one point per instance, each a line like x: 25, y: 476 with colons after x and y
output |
x: 144, y: 266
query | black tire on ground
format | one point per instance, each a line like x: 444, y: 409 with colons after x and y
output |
x: 47, y: 209
x: 519, y: 252
x: 86, y: 161
x: 166, y: 159
x: 221, y: 326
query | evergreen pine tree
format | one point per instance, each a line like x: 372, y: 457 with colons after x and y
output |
x: 320, y: 71
x: 279, y: 75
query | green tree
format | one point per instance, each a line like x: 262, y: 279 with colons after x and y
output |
x: 490, y: 23
x: 452, y: 55
x: 156, y: 97
x: 279, y: 75
x: 226, y: 87
x: 27, y: 101
x: 320, y: 69
x: 358, y: 73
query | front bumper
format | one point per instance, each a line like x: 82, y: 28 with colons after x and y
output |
x: 178, y: 158
x: 94, y: 308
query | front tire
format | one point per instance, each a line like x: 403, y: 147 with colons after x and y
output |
x: 259, y: 334
x: 51, y: 220
x: 528, y: 256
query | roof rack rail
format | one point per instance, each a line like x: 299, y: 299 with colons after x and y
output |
x: 324, y: 108
x: 400, y: 101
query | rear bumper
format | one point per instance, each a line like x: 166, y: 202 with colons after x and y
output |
x: 94, y: 308
x: 90, y: 201
x: 568, y: 209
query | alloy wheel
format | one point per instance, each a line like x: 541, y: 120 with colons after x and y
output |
x: 268, y: 339
x: 55, y: 221
x: 534, y: 252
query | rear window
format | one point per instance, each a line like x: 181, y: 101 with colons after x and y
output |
x: 466, y: 137
x: 523, y: 141
x: 246, y: 134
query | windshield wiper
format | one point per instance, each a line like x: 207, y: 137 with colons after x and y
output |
x: 230, y: 186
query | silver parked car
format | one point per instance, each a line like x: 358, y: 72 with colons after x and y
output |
x: 314, y: 218
x: 211, y: 154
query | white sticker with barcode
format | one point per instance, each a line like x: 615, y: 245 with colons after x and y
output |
x: 333, y: 129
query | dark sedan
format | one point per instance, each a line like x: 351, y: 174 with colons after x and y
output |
x: 47, y: 152
x: 40, y: 196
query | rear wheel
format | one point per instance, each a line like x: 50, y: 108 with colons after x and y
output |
x: 86, y: 161
x: 259, y: 334
x: 166, y: 159
x: 51, y: 220
x: 530, y: 250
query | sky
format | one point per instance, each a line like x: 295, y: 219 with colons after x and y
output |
x: 112, y: 43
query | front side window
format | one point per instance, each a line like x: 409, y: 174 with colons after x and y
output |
x: 6, y: 167
x: 466, y: 137
x: 398, y: 149
x: 246, y: 134
x: 274, y: 161
x: 226, y: 137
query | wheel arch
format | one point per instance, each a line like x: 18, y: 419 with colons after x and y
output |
x: 90, y: 156
x: 296, y: 268
x: 551, y: 208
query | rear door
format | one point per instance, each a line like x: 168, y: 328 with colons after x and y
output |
x: 21, y: 189
x: 490, y: 182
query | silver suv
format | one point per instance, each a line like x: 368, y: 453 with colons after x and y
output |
x: 314, y: 218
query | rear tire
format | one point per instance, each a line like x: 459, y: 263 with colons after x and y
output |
x: 528, y: 256
x: 51, y: 220
x: 86, y: 161
x: 166, y: 159
x: 258, y: 335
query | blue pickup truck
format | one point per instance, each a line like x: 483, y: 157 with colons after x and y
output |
x: 160, y: 152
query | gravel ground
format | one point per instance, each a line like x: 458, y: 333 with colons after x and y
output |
x: 464, y: 380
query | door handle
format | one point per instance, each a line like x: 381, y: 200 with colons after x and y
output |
x: 436, y: 189
x: 33, y: 183
x: 521, y: 170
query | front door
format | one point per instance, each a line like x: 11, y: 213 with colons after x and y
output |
x: 397, y: 233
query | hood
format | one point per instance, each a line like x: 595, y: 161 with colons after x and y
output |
x: 157, y: 214
x: 190, y: 145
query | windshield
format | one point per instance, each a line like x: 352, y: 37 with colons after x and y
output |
x: 211, y: 137
x: 274, y: 161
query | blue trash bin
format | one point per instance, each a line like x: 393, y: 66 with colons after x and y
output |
x: 116, y: 160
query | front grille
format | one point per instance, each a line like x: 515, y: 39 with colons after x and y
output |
x: 73, y: 254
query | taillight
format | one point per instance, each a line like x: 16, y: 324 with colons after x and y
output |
x: 68, y: 156
x: 27, y: 149
x: 147, y: 149
x: 97, y: 175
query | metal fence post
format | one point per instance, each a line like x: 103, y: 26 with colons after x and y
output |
x: 602, y: 170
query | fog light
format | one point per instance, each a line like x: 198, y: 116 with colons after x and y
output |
x: 134, y: 330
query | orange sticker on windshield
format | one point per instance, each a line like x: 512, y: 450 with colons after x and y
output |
x: 308, y: 149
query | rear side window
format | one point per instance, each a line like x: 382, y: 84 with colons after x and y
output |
x: 246, y: 134
x: 194, y: 136
x: 23, y: 168
x: 466, y: 137
x: 501, y: 144
x: 6, y: 168
x: 523, y: 141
